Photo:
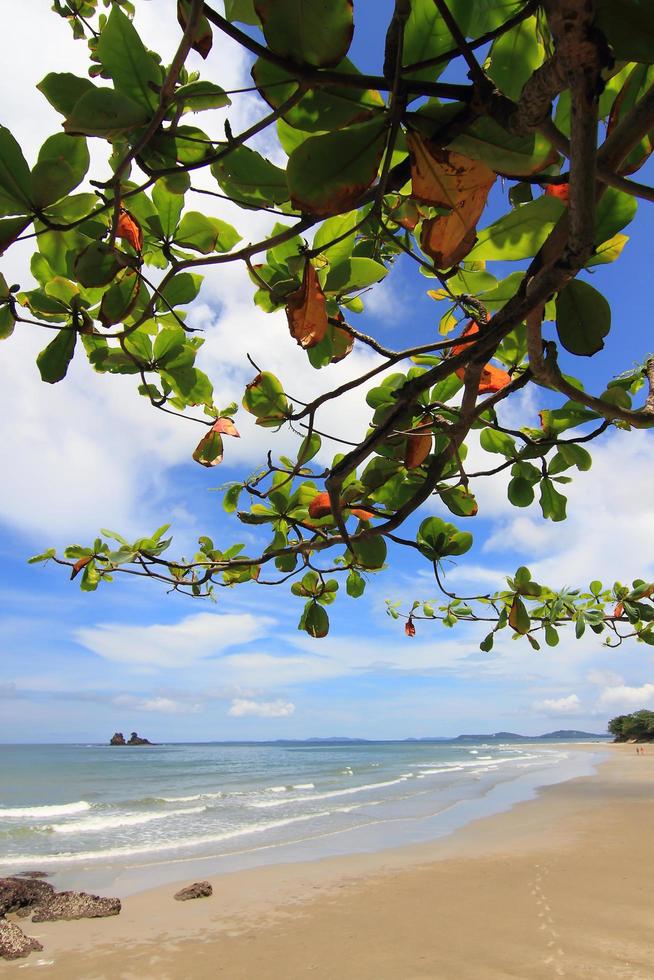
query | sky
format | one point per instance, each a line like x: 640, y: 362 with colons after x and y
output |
x: 90, y: 453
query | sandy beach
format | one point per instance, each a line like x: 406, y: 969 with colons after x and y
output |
x: 560, y: 886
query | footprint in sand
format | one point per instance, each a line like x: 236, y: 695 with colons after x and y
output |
x: 556, y: 956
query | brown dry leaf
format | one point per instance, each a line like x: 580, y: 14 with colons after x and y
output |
x: 306, y: 310
x: 203, y: 39
x: 79, y: 565
x: 445, y: 179
x: 409, y: 627
x: 418, y: 446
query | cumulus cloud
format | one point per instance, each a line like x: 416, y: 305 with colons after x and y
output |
x: 625, y: 698
x: 176, y: 645
x: 261, y: 709
x: 559, y: 706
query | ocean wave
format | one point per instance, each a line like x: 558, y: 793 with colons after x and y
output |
x: 188, y: 799
x: 66, y: 857
x: 94, y: 824
x: 304, y: 786
x: 267, y: 804
x: 51, y: 810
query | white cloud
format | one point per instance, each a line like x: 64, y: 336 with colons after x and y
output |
x: 159, y: 705
x: 178, y: 645
x: 559, y: 706
x: 625, y: 698
x: 261, y: 709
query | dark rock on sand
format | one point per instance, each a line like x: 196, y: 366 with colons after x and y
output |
x: 14, y: 943
x: 32, y: 874
x: 23, y: 893
x: 199, y: 889
x: 75, y: 905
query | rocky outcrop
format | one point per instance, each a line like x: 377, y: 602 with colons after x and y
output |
x: 199, y: 889
x: 23, y: 893
x: 135, y: 739
x: 75, y: 905
x: 30, y: 896
x: 14, y: 943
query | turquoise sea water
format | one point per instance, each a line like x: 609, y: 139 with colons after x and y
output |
x: 92, y: 815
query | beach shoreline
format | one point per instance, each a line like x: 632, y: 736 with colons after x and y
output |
x: 556, y: 886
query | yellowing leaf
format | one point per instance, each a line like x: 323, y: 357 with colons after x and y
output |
x: 306, y: 310
x: 445, y: 179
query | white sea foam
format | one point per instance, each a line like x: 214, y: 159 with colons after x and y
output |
x: 92, y: 825
x: 328, y: 795
x: 304, y: 786
x: 276, y: 789
x: 189, y: 799
x: 52, y: 810
x: 65, y: 857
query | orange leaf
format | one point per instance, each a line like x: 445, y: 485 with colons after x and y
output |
x: 493, y: 379
x: 418, y: 446
x: 562, y: 191
x: 129, y: 228
x: 363, y: 515
x: 409, y: 627
x: 226, y: 427
x: 445, y: 179
x: 320, y: 506
x: 306, y: 310
x: 79, y: 565
x: 618, y: 611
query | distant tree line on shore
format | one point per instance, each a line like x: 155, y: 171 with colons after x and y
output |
x: 638, y: 726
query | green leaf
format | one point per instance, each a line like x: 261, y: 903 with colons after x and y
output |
x: 503, y: 152
x: 497, y: 442
x: 520, y: 492
x: 515, y: 55
x: 486, y: 15
x: 134, y: 71
x: 96, y: 265
x: 460, y: 502
x: 322, y: 109
x: 15, y: 180
x: 355, y: 584
x: 426, y: 35
x: 437, y: 539
x: 248, y: 178
x: 182, y: 288
x: 265, y: 398
x: 628, y: 28
x: 354, y: 273
x: 312, y: 32
x: 486, y: 644
x: 552, y: 502
x: 62, y: 164
x: 209, y: 450
x: 7, y: 322
x: 230, y: 500
x: 63, y: 90
x: 202, y: 95
x: 328, y: 174
x: 583, y: 318
x: 105, y: 112
x: 120, y: 298
x: 315, y: 620
x: 189, y: 384
x: 205, y: 234
x: 241, y: 11
x: 572, y: 455
x: 54, y: 359
x: 50, y: 553
x: 168, y: 198
x: 310, y: 446
x: 551, y: 635
x: 614, y: 211
x: 519, y: 617
x: 520, y: 233
x: 331, y: 229
x: 10, y: 229
x: 370, y: 552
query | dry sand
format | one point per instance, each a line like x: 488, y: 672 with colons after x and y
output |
x: 561, y: 886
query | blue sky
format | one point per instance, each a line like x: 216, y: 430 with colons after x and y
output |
x: 89, y: 453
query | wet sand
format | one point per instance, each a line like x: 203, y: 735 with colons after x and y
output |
x: 560, y: 886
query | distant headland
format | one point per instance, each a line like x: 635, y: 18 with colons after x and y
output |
x: 119, y: 739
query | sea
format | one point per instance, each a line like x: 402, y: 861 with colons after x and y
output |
x: 106, y: 818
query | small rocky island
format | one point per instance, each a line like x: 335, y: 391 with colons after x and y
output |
x: 119, y: 739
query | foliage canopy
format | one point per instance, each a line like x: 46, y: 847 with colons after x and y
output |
x: 557, y: 101
x: 639, y: 725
